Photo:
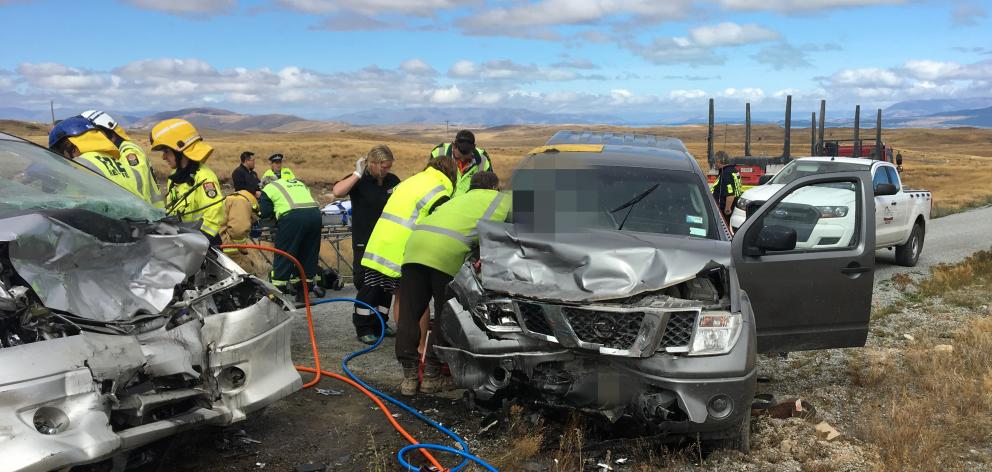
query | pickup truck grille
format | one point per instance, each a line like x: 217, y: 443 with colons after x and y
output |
x: 610, y: 329
x: 594, y: 328
x: 678, y: 332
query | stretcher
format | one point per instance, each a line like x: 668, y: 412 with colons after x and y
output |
x: 335, y: 229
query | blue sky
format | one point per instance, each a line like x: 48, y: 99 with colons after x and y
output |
x: 318, y: 58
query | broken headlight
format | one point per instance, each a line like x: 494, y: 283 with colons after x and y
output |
x: 716, y: 333
x: 498, y: 316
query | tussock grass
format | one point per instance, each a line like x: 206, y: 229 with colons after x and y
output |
x: 524, y: 440
x: 974, y: 270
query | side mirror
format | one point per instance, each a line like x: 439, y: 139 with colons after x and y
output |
x: 776, y: 238
x: 885, y: 189
x: 765, y: 178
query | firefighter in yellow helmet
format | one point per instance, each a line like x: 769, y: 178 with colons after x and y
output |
x: 131, y: 153
x: 78, y: 139
x: 194, y: 191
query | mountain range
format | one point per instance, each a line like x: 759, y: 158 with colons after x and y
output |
x: 942, y: 113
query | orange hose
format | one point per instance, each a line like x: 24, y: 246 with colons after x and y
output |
x: 316, y: 370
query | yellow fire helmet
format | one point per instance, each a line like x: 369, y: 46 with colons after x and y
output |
x: 179, y: 135
x: 251, y: 198
x: 95, y: 141
x: 105, y: 121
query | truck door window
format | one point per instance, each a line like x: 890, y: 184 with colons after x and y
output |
x: 893, y: 176
x: 824, y: 217
x: 880, y: 177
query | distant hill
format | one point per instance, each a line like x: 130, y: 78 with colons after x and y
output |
x: 216, y: 118
x: 915, y: 108
x: 473, y: 116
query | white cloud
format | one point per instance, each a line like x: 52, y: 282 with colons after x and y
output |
x: 752, y: 94
x: 676, y: 51
x: 868, y: 77
x: 788, y: 6
x: 377, y: 7
x: 186, y: 7
x: 463, y: 69
x: 446, y: 95
x: 49, y: 75
x: 731, y: 34
x: 681, y: 95
x: 418, y: 67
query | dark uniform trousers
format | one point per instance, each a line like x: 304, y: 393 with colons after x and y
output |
x: 418, y: 285
x: 298, y: 233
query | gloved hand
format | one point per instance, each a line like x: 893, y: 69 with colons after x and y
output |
x: 360, y: 167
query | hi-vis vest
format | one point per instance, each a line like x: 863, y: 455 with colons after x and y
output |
x: 409, y: 204
x: 464, y: 178
x: 111, y: 168
x: 147, y: 184
x: 287, y: 195
x: 198, y: 201
x: 443, y: 239
x: 284, y: 174
x: 734, y: 189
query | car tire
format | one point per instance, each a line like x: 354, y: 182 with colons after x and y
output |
x: 908, y: 254
x: 736, y: 438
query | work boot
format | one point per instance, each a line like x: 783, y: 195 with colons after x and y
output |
x: 434, y: 382
x: 409, y: 386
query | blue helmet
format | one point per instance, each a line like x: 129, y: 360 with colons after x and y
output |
x: 69, y: 127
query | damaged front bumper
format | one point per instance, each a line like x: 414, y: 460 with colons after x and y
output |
x: 661, y: 388
x: 76, y: 400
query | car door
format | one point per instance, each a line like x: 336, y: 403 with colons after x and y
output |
x: 884, y: 209
x: 809, y: 298
x: 900, y: 206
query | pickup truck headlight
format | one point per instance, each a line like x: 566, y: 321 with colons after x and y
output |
x: 832, y: 211
x: 741, y: 203
x: 498, y: 316
x: 716, y: 333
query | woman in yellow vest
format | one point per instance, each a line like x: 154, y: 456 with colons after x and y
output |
x: 411, y: 201
x: 434, y: 253
x: 194, y: 191
x: 78, y: 139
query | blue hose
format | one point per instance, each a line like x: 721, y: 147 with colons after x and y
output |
x: 464, y: 452
x: 436, y: 447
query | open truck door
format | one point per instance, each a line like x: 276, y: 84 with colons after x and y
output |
x: 807, y: 298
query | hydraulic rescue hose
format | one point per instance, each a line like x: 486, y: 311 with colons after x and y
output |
x: 363, y: 387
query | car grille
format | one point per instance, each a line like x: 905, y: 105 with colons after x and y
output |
x: 616, y: 330
x: 534, y: 320
x: 678, y: 332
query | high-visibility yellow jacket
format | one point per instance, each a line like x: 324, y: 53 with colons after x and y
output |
x: 200, y: 200
x: 147, y: 183
x: 112, y: 168
x: 443, y: 239
x: 411, y: 201
x: 284, y: 174
x: 464, y: 181
x: 288, y: 195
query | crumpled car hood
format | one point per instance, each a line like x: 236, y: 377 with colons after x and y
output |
x: 590, y: 265
x: 74, y: 271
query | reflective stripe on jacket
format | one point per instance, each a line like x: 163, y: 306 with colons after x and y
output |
x: 482, y: 163
x: 284, y: 174
x: 443, y: 239
x: 410, y: 203
x: 199, y: 201
x: 288, y: 195
x: 147, y: 183
x: 112, y: 168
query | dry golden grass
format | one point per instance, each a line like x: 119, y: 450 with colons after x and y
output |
x: 930, y: 407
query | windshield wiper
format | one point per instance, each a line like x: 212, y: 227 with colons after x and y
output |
x: 630, y: 204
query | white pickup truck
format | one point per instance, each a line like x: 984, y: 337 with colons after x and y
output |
x: 901, y: 215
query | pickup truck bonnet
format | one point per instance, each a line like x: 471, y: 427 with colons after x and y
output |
x: 590, y: 265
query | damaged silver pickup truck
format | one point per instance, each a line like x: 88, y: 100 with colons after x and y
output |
x: 618, y: 291
x: 118, y: 329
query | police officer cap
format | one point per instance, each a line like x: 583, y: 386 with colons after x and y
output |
x: 275, y: 158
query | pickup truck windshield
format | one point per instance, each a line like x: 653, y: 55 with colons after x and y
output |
x: 565, y: 200
x: 33, y: 178
x: 805, y: 168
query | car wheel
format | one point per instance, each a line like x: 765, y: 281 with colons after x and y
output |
x: 737, y: 438
x: 908, y: 254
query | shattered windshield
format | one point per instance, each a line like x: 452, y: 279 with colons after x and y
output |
x: 32, y: 178
x: 564, y: 200
x: 796, y: 170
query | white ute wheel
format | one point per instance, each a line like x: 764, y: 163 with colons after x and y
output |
x: 909, y: 253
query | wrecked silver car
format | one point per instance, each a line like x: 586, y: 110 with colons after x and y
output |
x: 118, y: 329
x: 618, y: 291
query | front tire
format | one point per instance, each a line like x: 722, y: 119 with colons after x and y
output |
x: 909, y: 254
x: 738, y: 438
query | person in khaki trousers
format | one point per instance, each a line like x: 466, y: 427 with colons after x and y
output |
x: 241, y: 208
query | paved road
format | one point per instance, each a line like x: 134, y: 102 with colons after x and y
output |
x: 948, y: 240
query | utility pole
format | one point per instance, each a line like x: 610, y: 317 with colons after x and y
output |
x: 709, y: 138
x: 446, y: 136
x: 857, y: 131
x: 51, y: 105
x: 747, y: 129
x: 787, y: 148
